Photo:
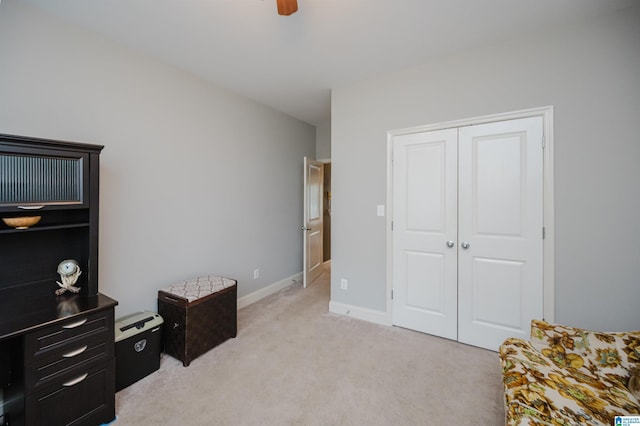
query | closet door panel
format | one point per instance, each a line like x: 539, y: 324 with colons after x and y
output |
x: 424, y: 214
x: 500, y: 230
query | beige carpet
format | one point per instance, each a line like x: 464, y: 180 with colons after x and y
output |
x: 293, y: 363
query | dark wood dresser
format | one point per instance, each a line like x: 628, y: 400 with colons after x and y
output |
x: 57, y: 362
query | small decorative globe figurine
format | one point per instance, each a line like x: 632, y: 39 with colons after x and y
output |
x: 69, y: 271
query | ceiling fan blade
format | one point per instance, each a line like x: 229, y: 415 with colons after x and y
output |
x: 287, y: 7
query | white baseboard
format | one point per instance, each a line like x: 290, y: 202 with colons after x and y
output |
x: 250, y: 298
x: 378, y: 317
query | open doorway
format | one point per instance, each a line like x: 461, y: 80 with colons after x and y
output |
x: 326, y: 231
x: 316, y: 225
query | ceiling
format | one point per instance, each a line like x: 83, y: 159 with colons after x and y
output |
x: 291, y: 63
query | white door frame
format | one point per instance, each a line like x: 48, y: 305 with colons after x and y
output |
x: 548, y: 208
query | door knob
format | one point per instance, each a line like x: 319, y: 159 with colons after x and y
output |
x: 450, y: 243
x: 304, y: 228
x: 465, y: 245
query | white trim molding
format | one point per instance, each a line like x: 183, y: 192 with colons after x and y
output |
x: 257, y: 295
x: 357, y: 312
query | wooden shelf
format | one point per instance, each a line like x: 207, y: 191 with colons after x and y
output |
x: 45, y: 228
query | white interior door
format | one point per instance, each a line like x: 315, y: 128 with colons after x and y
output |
x: 500, y: 221
x: 424, y: 232
x: 312, y: 228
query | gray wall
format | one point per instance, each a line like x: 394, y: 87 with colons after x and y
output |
x: 590, y: 73
x: 194, y: 179
x: 323, y: 141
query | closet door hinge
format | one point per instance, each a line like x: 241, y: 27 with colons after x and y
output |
x: 543, y: 142
x: 392, y: 225
x: 543, y: 232
x: 391, y: 294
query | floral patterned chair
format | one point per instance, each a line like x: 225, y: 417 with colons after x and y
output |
x: 569, y: 376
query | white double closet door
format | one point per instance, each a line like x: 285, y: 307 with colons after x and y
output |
x: 468, y: 231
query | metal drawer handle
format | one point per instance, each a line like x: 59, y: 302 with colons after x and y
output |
x: 30, y: 207
x: 74, y: 353
x: 75, y: 324
x: 76, y: 380
x: 171, y: 299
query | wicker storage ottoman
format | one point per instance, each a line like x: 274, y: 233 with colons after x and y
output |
x: 198, y: 314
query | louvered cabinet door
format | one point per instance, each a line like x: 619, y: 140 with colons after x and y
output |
x: 39, y: 179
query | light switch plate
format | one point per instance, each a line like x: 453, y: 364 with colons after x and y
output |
x: 380, y: 209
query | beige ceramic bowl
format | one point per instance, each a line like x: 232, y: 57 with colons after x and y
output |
x: 21, y: 222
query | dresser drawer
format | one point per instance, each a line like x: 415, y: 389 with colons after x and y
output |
x: 71, y: 355
x: 82, y: 396
x: 67, y: 334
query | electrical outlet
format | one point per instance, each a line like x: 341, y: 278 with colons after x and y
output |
x: 343, y: 283
x: 256, y: 274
